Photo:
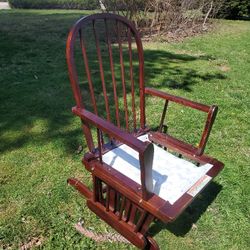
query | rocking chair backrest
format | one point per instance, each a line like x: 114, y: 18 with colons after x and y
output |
x: 111, y: 65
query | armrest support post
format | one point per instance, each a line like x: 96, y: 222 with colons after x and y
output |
x: 163, y: 115
x: 88, y: 135
x: 207, y: 129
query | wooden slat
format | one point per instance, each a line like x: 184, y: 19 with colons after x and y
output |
x: 120, y: 226
x: 132, y: 214
x: 107, y: 198
x: 163, y: 115
x: 86, y: 63
x: 112, y: 199
x: 99, y: 139
x: 123, y: 75
x: 127, y: 210
x: 140, y: 221
x: 122, y: 207
x: 113, y: 75
x: 146, y: 224
x: 117, y: 202
x: 95, y: 188
x: 131, y: 77
x: 101, y: 72
x: 100, y: 196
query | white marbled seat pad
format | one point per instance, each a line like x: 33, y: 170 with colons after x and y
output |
x: 172, y: 176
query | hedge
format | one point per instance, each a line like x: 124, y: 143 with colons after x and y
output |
x: 55, y: 4
x: 235, y: 9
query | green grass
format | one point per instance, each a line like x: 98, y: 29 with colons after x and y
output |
x: 39, y: 135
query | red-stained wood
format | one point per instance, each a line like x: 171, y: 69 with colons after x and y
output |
x: 124, y: 204
x: 119, y: 225
x: 88, y: 135
x: 122, y: 75
x: 99, y: 190
x: 99, y: 139
x: 83, y: 189
x: 112, y: 200
x: 127, y: 210
x: 112, y: 74
x: 95, y: 189
x: 131, y: 77
x: 122, y: 207
x: 177, y: 99
x: 86, y: 63
x: 117, y: 203
x: 181, y: 147
x: 149, y: 219
x: 152, y: 245
x: 132, y: 214
x: 207, y: 129
x: 211, y: 110
x: 172, y: 143
x: 101, y: 72
x: 161, y: 209
x: 74, y: 81
x: 111, y: 129
x: 107, y: 198
x: 163, y: 116
x: 140, y: 221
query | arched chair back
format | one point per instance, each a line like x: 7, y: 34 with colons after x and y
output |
x: 106, y: 68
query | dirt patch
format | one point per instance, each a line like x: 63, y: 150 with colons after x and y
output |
x: 224, y: 68
x: 98, y: 237
x: 34, y: 242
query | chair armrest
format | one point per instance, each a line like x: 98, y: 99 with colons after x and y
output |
x: 210, y: 110
x: 111, y: 129
x: 177, y: 99
x: 145, y: 149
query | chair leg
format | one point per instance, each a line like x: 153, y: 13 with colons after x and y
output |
x: 78, y: 185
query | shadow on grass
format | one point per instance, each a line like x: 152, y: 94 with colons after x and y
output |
x: 173, y: 71
x: 183, y: 224
x: 35, y: 88
x: 35, y: 85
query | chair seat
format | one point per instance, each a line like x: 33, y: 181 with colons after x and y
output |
x: 172, y: 176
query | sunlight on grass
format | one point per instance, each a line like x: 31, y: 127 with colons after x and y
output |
x: 40, y: 137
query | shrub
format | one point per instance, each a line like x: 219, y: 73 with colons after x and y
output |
x: 163, y: 16
x: 235, y: 9
x: 54, y: 4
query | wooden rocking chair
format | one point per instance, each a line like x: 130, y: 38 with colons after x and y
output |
x: 136, y: 175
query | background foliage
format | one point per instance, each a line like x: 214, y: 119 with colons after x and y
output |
x: 171, y: 19
x: 231, y: 9
x: 54, y: 4
x: 235, y: 9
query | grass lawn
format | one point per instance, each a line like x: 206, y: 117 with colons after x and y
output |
x: 39, y: 136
